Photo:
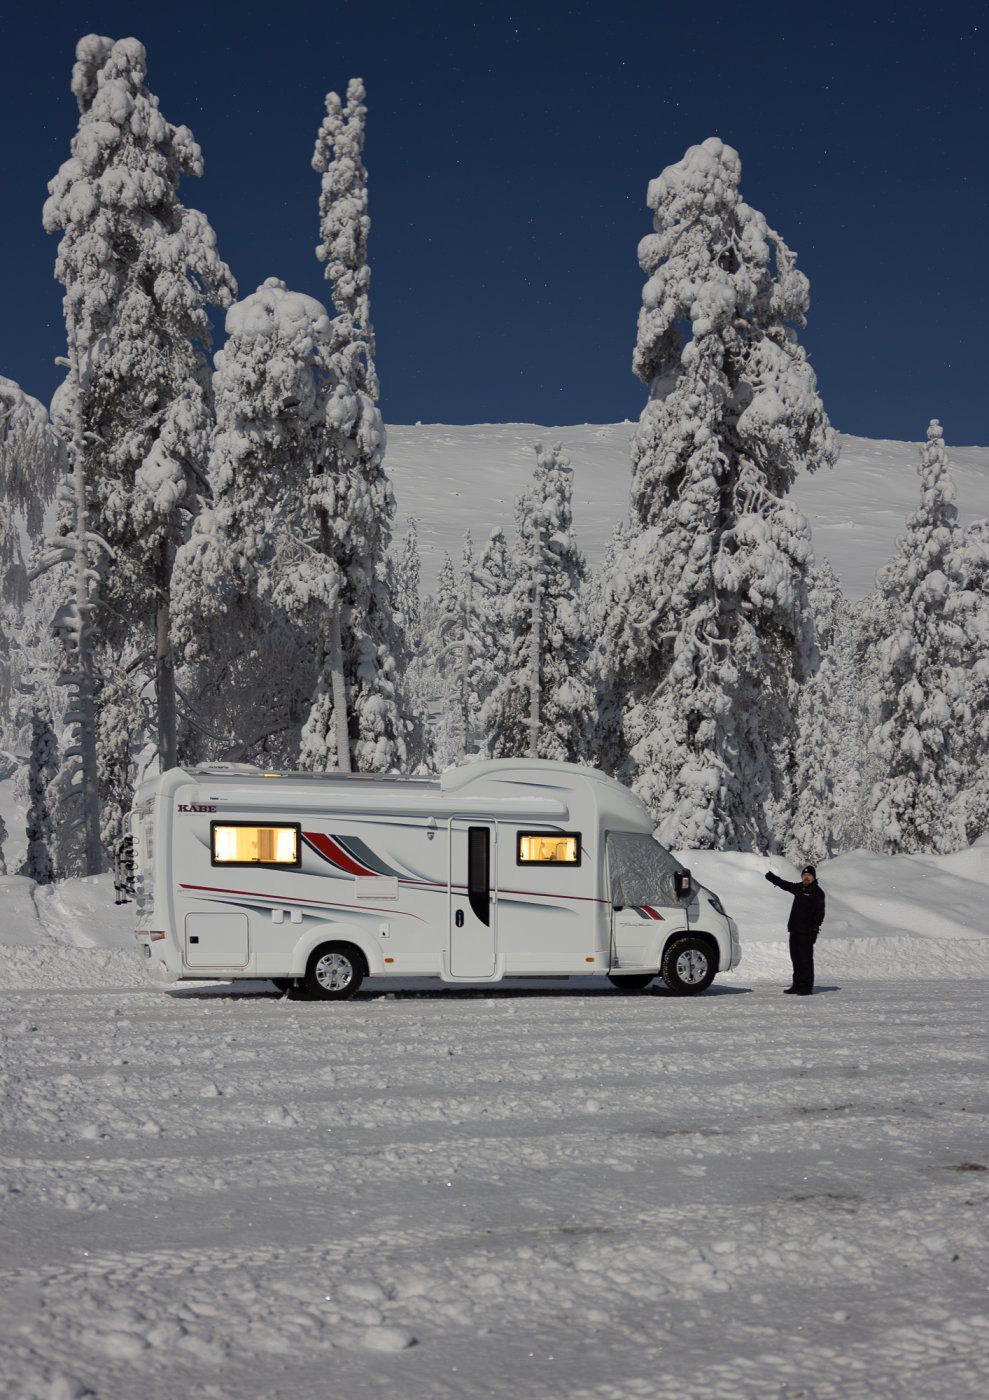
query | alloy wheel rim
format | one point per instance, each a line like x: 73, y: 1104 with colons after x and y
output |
x: 334, y: 972
x: 691, y: 966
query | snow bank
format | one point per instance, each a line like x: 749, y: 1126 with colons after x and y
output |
x: 66, y: 935
x: 887, y: 916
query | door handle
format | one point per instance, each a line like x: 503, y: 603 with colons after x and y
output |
x: 459, y: 918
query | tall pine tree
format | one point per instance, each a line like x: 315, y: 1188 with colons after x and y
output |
x: 972, y: 562
x: 252, y: 586
x: 544, y: 704
x: 358, y: 718
x: 707, y: 626
x: 919, y: 704
x: 139, y: 270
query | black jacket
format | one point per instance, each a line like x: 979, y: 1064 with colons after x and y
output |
x: 807, y: 910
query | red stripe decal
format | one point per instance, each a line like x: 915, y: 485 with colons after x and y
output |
x: 651, y: 912
x: 336, y: 855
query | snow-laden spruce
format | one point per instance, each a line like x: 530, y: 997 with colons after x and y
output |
x: 708, y: 633
x: 972, y: 563
x: 32, y: 463
x: 253, y: 587
x: 456, y: 652
x: 493, y: 584
x: 358, y: 718
x: 543, y: 704
x: 139, y: 271
x: 43, y: 767
x: 412, y: 625
x: 822, y: 753
x: 919, y: 704
x: 32, y: 459
x: 446, y: 642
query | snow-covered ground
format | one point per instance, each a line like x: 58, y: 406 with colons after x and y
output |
x: 542, y: 1190
x: 529, y: 1190
x: 454, y: 478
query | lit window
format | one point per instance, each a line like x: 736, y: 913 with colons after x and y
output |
x: 549, y: 848
x: 255, y: 845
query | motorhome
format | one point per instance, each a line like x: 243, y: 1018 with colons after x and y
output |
x: 508, y: 868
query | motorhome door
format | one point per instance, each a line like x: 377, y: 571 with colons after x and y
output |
x: 473, y: 898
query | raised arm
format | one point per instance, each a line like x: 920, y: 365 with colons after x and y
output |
x: 788, y: 885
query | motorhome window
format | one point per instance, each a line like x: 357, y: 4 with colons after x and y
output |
x: 243, y: 843
x: 548, y: 848
x: 479, y: 872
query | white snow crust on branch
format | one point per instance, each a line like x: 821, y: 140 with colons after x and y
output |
x: 708, y: 633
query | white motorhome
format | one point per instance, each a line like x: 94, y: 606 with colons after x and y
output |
x: 508, y: 868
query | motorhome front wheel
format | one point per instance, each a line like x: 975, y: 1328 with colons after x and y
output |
x: 688, y: 966
x: 334, y: 972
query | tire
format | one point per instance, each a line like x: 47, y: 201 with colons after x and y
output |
x: 631, y: 981
x: 689, y: 965
x: 334, y: 972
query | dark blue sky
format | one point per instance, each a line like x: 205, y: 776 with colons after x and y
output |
x: 509, y: 151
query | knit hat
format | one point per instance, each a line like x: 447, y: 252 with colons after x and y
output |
x: 809, y: 870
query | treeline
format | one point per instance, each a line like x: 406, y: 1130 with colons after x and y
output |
x: 221, y: 582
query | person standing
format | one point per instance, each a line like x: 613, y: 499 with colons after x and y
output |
x: 803, y: 926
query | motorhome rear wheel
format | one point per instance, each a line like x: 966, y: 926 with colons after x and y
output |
x: 334, y: 972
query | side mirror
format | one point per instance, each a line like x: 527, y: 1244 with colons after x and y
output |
x: 681, y: 883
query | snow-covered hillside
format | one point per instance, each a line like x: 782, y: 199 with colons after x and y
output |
x: 455, y: 478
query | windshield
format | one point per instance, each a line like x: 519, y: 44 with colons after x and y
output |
x: 641, y: 870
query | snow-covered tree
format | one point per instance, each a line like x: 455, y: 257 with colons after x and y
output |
x: 446, y: 637
x: 411, y: 622
x: 408, y: 581
x: 492, y: 590
x: 31, y: 460
x: 139, y: 270
x: 919, y: 705
x: 609, y: 738
x: 972, y: 562
x: 708, y: 634
x: 459, y: 645
x: 43, y: 769
x: 359, y: 691
x: 544, y: 703
x: 821, y: 751
x: 252, y: 585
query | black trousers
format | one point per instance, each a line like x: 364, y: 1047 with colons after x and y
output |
x: 802, y: 957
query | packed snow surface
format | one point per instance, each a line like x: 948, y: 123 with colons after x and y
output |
x: 458, y: 477
x: 535, y: 1190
